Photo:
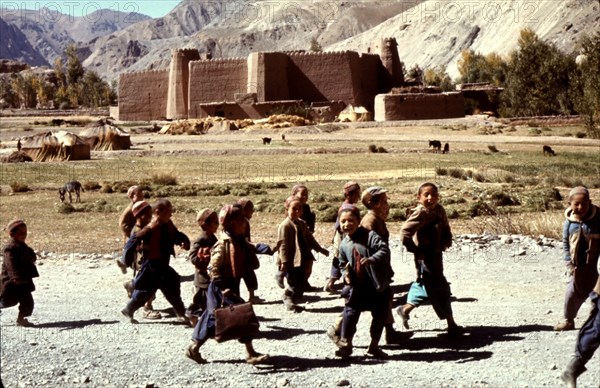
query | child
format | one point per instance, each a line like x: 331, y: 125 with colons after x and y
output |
x: 581, y: 225
x: 142, y: 212
x: 230, y: 259
x: 18, y: 271
x: 301, y: 192
x: 200, y: 257
x: 127, y: 219
x: 158, y: 239
x: 351, y: 196
x: 364, y: 259
x: 429, y: 224
x: 250, y: 277
x: 296, y: 242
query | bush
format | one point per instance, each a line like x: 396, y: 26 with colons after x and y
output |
x: 64, y: 208
x: 166, y: 179
x: 441, y: 171
x: 381, y: 150
x: 91, y: 186
x: 457, y: 173
x: 580, y: 135
x: 373, y: 148
x: 17, y: 187
x: 500, y: 198
x: 481, y: 208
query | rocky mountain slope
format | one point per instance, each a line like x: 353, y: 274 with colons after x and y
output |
x: 430, y: 33
x: 435, y: 32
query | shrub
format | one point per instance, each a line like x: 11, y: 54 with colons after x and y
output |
x: 373, y: 148
x: 441, y: 171
x: 535, y: 131
x: 580, y: 135
x: 17, y: 187
x: 381, y: 150
x: 165, y: 178
x: 500, y: 198
x: 91, y: 185
x: 481, y: 208
x: 64, y: 208
x: 457, y: 173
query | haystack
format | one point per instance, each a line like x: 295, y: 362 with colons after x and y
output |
x: 17, y: 157
x: 104, y: 136
x: 355, y: 114
x: 52, y: 146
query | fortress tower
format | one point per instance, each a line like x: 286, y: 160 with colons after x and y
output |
x: 388, y: 51
x: 177, y: 99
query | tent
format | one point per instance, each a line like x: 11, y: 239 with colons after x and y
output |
x: 50, y: 146
x: 103, y: 136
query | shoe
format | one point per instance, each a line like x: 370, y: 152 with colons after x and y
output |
x: 121, y: 266
x: 567, y: 324
x: 256, y: 358
x: 129, y: 316
x: 256, y: 300
x: 344, y: 348
x: 403, y: 316
x: 393, y: 337
x: 333, y: 336
x: 151, y: 314
x: 376, y: 353
x: 279, y: 279
x: 455, y: 331
x: 192, y: 353
x: 23, y: 322
x: 128, y: 285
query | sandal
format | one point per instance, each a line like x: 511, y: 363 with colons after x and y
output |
x: 197, y: 357
x: 256, y: 358
x: 151, y: 314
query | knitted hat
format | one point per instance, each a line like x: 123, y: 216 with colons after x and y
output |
x: 245, y: 203
x: 204, y: 215
x: 14, y: 224
x: 350, y: 208
x: 350, y: 187
x: 138, y: 207
x: 579, y: 190
x: 368, y: 194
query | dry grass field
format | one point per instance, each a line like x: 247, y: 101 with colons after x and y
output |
x: 514, y: 190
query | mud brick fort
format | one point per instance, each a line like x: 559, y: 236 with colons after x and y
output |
x: 269, y: 82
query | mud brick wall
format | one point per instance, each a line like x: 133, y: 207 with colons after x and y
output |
x: 215, y: 81
x: 368, y: 78
x: 143, y: 95
x: 268, y: 76
x: 419, y: 106
x: 177, y: 103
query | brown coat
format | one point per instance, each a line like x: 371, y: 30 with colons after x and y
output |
x: 290, y: 254
x: 18, y: 267
x: 127, y: 221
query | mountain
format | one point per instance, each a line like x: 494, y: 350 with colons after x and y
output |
x: 49, y: 32
x: 429, y: 33
x: 14, y: 45
x: 434, y: 33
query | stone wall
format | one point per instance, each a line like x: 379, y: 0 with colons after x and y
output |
x: 216, y: 80
x: 419, y: 106
x: 143, y: 95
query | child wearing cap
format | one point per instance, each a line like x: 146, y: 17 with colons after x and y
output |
x: 127, y: 219
x: 351, y: 196
x: 133, y: 254
x: 364, y: 259
x: 301, y: 192
x: 18, y: 271
x: 426, y: 234
x: 295, y: 244
x: 199, y: 255
x: 229, y: 260
x: 581, y: 240
x: 158, y: 239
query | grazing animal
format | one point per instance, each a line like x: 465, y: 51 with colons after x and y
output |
x: 283, y: 137
x: 548, y: 151
x: 436, y: 145
x: 446, y: 149
x: 266, y: 140
x: 68, y: 188
x: 493, y: 148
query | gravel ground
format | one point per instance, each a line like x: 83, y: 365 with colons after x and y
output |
x: 508, y: 295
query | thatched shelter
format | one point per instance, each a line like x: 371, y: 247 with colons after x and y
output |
x: 60, y: 145
x: 104, y: 136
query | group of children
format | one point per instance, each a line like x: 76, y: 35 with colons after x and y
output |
x: 361, y: 259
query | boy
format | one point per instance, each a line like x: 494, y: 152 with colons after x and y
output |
x: 364, y: 259
x: 158, y: 239
x: 428, y: 224
x: 376, y: 201
x: 127, y: 219
x: 18, y: 271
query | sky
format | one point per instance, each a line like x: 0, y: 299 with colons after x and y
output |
x: 152, y: 8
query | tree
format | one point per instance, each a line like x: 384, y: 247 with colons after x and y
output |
x: 416, y: 74
x: 474, y: 67
x: 74, y: 68
x: 585, y: 89
x: 25, y: 87
x: 315, y: 46
x: 438, y: 77
x: 538, y: 79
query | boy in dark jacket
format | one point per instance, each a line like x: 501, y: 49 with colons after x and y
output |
x: 158, y: 239
x: 18, y: 271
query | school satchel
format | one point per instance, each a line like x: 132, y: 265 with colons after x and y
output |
x: 235, y: 321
